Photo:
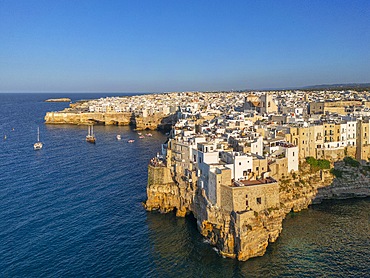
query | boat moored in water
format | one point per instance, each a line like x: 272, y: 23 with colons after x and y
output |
x: 90, y: 137
x: 38, y: 145
x: 118, y: 137
x: 131, y: 141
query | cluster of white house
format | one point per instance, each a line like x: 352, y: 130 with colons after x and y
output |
x: 236, y: 157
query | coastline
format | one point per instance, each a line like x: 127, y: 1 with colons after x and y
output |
x: 246, y: 235
x: 175, y: 180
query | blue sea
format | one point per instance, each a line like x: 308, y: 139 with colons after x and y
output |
x: 74, y: 209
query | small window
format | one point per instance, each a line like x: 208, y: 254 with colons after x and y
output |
x: 246, y: 203
x: 259, y: 201
x: 257, y: 168
x: 240, y: 163
x: 246, y: 196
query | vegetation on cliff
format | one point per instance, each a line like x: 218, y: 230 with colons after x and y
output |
x: 318, y: 164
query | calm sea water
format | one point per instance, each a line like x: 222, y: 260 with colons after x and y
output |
x: 74, y: 209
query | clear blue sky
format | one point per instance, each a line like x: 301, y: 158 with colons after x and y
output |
x: 174, y: 45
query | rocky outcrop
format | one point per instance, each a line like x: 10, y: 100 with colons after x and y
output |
x: 353, y: 182
x: 243, y: 235
x: 157, y: 121
x: 240, y: 235
x: 58, y: 100
x: 87, y: 118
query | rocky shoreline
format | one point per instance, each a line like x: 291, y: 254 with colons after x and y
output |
x: 247, y: 234
x: 158, y: 121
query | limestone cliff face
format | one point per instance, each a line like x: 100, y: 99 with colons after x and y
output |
x: 237, y: 235
x: 87, y: 118
x: 158, y: 121
x: 353, y: 182
x: 166, y: 194
x: 244, y: 235
x: 298, y: 191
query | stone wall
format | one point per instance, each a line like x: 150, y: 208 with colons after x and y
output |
x: 245, y: 197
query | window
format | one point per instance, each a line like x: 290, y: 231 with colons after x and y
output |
x: 259, y: 201
x: 257, y: 168
x: 240, y: 163
x: 293, y: 153
x: 246, y: 203
x: 245, y: 173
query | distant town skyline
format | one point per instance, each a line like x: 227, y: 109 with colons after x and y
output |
x: 159, y: 46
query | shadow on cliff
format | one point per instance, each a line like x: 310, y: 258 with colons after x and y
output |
x: 167, y: 122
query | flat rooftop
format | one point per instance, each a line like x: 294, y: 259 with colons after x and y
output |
x: 253, y: 182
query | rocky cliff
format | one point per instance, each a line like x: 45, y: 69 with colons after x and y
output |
x: 244, y: 235
x: 352, y: 182
x: 87, y: 118
x: 158, y: 121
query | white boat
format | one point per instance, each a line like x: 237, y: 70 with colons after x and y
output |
x: 38, y: 144
x: 118, y: 137
x: 90, y: 134
x: 149, y: 135
x: 131, y: 141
